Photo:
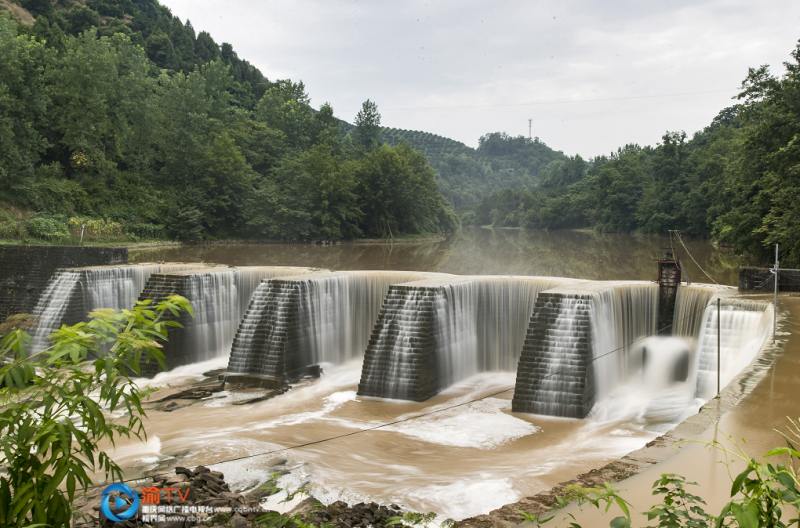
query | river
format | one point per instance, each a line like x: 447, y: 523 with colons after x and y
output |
x: 459, y: 462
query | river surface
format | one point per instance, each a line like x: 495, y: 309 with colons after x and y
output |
x: 480, y: 251
x: 458, y: 462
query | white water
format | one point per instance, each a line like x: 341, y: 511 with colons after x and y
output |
x: 622, y: 316
x: 116, y: 287
x: 340, y: 309
x: 744, y: 328
x: 458, y: 462
x: 504, y: 306
x: 220, y: 297
x: 49, y: 311
x: 455, y: 332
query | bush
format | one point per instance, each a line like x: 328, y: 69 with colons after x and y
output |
x: 12, y: 231
x: 94, y: 228
x: 48, y: 228
x: 139, y: 231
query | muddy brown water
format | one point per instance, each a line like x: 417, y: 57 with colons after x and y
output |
x: 479, y: 251
x: 459, y: 462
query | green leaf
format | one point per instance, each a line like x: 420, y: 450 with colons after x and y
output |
x: 620, y: 522
x: 737, y: 483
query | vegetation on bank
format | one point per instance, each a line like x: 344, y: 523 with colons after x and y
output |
x: 737, y: 181
x: 116, y: 112
x: 57, y: 407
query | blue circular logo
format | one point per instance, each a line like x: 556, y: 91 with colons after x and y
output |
x: 120, y: 516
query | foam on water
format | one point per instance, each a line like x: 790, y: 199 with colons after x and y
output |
x: 482, y: 424
x: 183, y: 374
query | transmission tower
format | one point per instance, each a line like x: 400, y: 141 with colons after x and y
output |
x: 530, y: 124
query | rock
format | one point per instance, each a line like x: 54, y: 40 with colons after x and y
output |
x: 210, y: 477
x: 201, y: 469
x: 213, y: 486
x: 177, y: 479
x: 216, y: 503
x: 167, y: 407
x: 218, y: 474
x: 236, y: 497
x: 211, y: 492
x: 238, y: 521
x: 184, y: 471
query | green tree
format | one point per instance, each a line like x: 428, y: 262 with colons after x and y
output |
x: 398, y: 193
x: 765, y: 177
x: 97, y: 88
x: 161, y: 51
x: 23, y: 105
x: 227, y: 182
x: 281, y: 204
x: 53, y: 406
x: 81, y: 18
x: 368, y: 125
x: 335, y: 211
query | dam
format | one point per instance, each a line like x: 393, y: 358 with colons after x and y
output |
x: 531, y: 376
x: 570, y: 342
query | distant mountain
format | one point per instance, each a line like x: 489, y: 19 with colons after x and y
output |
x: 466, y: 174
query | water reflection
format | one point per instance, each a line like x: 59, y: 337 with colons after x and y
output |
x: 479, y: 251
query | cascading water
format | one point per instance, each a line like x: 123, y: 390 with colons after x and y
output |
x: 400, y: 362
x: 455, y: 332
x: 504, y: 306
x: 744, y: 326
x: 323, y: 317
x: 690, y: 305
x: 621, y: 316
x: 50, y: 309
x: 458, y: 326
x: 219, y: 297
x: 72, y: 294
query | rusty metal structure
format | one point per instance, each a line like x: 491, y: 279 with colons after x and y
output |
x: 669, y: 278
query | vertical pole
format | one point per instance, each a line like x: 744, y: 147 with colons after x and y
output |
x: 719, y: 335
x: 775, y: 305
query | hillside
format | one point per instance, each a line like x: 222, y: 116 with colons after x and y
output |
x: 121, y: 118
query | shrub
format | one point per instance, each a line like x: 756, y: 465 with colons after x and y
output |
x: 48, y: 228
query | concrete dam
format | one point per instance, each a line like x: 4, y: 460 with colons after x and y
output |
x: 569, y: 341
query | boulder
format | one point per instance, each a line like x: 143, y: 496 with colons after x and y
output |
x: 177, y: 479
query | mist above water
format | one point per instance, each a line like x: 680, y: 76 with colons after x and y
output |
x: 478, y: 251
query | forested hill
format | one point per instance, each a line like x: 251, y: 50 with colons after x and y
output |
x: 465, y: 174
x: 736, y: 181
x: 116, y: 115
x: 168, y: 42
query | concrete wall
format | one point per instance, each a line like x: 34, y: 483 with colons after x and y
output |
x: 760, y: 279
x: 25, y: 270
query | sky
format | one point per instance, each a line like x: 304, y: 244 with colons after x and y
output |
x: 591, y: 75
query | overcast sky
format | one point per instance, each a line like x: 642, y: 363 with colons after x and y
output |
x: 592, y: 75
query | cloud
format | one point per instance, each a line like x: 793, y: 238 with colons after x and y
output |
x: 419, y: 59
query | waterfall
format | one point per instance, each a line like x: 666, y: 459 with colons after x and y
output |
x: 49, y: 311
x: 455, y: 332
x: 322, y: 317
x: 72, y: 294
x: 622, y: 315
x: 219, y: 296
x: 504, y: 307
x: 744, y: 327
x: 690, y: 304
x: 448, y: 329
